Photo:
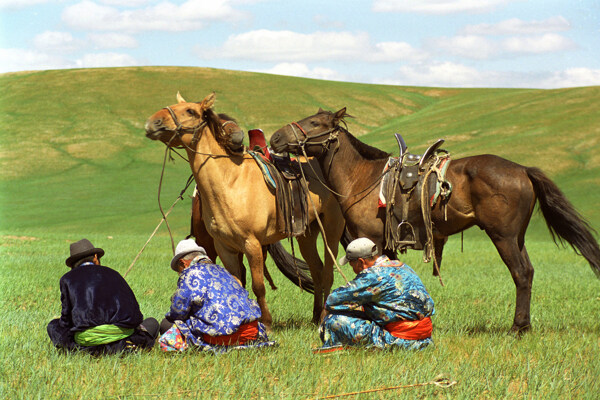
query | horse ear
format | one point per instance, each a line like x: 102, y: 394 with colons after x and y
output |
x: 320, y: 111
x: 208, y: 101
x: 180, y: 98
x: 338, y: 116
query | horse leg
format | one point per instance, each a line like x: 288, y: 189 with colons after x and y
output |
x: 254, y: 254
x: 308, y: 248
x: 334, y: 225
x: 521, y: 270
x: 242, y: 269
x: 267, y: 274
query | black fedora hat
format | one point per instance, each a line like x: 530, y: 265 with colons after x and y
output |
x: 82, y: 249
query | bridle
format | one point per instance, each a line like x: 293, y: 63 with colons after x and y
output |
x: 325, y: 144
x: 301, y: 143
x: 196, y: 130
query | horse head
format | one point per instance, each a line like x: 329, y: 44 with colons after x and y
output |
x: 183, y: 124
x: 313, y: 134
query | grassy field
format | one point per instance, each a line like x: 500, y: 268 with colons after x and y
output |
x: 74, y: 163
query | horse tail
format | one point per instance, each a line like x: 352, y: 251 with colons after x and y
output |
x: 346, y: 238
x: 293, y: 268
x: 563, y: 220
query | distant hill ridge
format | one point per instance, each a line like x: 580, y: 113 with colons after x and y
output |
x: 87, y: 120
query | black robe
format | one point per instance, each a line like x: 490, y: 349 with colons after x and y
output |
x: 93, y: 295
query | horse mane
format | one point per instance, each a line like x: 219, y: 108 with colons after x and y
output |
x: 226, y: 117
x: 214, y: 123
x: 366, y: 151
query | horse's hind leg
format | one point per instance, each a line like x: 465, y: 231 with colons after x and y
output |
x: 253, y: 253
x: 334, y: 224
x: 521, y: 270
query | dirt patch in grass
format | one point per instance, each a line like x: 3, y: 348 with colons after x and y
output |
x: 13, y: 238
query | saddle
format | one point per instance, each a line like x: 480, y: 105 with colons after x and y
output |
x: 410, y: 189
x: 283, y: 175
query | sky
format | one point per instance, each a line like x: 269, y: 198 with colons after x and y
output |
x: 445, y: 43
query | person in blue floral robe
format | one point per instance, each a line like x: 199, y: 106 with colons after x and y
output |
x: 210, y: 309
x: 385, y: 296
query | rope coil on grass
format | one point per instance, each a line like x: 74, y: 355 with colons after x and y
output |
x: 439, y: 381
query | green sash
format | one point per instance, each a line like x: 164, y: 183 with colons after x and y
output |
x: 102, y: 334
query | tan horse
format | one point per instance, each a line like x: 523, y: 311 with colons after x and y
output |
x: 238, y: 208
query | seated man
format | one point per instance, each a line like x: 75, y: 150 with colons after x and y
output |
x: 210, y: 309
x: 100, y: 314
x: 386, y: 305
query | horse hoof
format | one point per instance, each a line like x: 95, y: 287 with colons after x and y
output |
x: 519, y: 331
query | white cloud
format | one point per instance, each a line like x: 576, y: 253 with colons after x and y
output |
x: 548, y: 43
x: 515, y: 26
x: 573, y: 77
x: 482, y: 48
x: 438, y: 6
x: 27, y: 60
x: 128, y: 3
x: 60, y: 42
x: 396, y: 51
x: 100, y: 60
x: 444, y: 74
x: 290, y: 47
x: 113, y: 41
x: 469, y: 46
x: 302, y: 70
x: 18, y: 4
x: 165, y: 16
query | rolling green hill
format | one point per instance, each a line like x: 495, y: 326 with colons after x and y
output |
x: 74, y: 157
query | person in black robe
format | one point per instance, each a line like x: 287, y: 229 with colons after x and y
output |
x: 100, y: 314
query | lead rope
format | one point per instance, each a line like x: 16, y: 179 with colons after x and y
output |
x: 429, y: 251
x: 164, y: 219
x: 162, y: 173
x: 321, y: 226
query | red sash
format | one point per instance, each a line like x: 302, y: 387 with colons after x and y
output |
x: 245, y: 333
x: 411, y: 330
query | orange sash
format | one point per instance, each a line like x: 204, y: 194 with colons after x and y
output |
x: 411, y: 330
x: 246, y: 333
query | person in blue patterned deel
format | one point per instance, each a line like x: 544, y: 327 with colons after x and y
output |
x: 385, y: 306
x: 210, y: 309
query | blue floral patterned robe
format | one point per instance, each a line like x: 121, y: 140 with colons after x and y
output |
x: 389, y: 291
x: 210, y: 301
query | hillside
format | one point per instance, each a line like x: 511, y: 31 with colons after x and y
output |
x: 74, y: 156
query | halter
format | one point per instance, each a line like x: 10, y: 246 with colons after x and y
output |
x: 333, y: 136
x: 179, y: 128
x: 197, y: 131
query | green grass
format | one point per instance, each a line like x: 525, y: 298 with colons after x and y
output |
x: 558, y: 359
x: 74, y: 163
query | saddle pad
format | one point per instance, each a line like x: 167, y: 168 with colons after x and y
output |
x: 269, y: 179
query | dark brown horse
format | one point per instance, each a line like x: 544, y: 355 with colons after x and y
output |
x: 490, y: 192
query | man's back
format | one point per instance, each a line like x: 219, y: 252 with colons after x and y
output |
x: 96, y: 295
x: 209, y: 300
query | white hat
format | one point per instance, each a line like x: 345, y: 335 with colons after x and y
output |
x: 359, y: 248
x: 186, y: 247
